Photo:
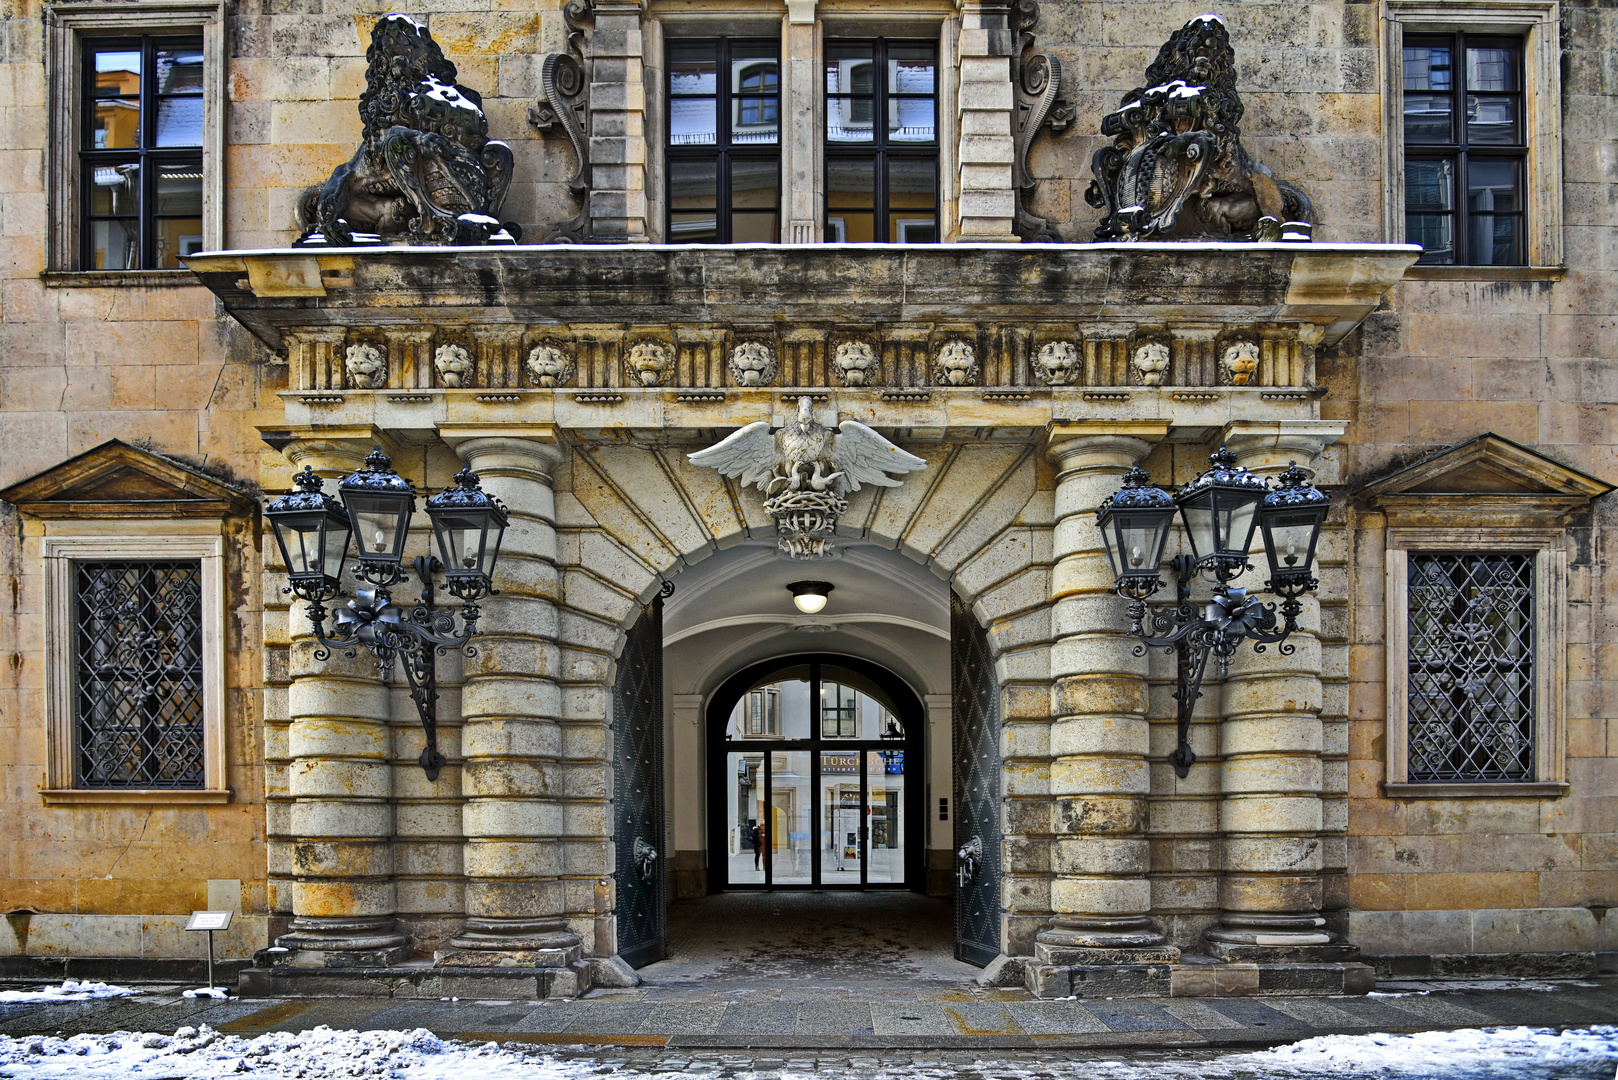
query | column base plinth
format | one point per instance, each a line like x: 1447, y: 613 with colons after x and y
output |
x: 1103, y: 940
x: 544, y: 943
x: 367, y: 942
x: 1277, y: 939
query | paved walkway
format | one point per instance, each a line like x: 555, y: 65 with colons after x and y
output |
x: 833, y: 975
x: 893, y: 1017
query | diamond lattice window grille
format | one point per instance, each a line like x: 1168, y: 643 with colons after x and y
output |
x: 138, y: 673
x: 1471, y: 657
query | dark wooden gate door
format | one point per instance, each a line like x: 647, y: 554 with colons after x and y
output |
x: 637, y: 792
x: 976, y: 694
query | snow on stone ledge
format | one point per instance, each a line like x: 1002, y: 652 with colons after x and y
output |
x: 68, y: 991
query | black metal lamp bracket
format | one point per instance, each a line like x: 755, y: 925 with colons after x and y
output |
x: 1193, y: 634
x: 415, y: 636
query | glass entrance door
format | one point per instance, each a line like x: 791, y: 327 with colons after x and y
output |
x: 812, y: 787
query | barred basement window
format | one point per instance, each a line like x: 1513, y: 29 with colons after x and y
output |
x: 138, y: 674
x: 1471, y: 667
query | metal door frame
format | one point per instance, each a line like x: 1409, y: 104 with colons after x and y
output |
x: 912, y: 715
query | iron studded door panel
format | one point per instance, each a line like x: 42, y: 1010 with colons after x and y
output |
x: 976, y: 694
x: 637, y: 791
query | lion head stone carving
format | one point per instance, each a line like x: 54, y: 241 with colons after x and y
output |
x: 366, y: 367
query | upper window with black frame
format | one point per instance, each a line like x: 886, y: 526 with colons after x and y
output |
x: 1465, y: 147
x: 881, y: 142
x: 724, y: 156
x: 141, y: 152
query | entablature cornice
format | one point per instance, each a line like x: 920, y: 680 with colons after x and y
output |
x: 1007, y: 302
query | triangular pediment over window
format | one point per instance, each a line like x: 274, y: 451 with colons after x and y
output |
x: 117, y: 480
x: 1489, y: 481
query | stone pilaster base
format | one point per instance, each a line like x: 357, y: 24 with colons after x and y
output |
x: 1278, y: 939
x: 545, y: 943
x: 1101, y: 940
x: 359, y: 942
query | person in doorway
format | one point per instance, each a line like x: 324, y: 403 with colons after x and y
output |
x: 758, y: 843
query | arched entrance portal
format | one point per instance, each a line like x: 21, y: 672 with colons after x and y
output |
x: 816, y: 777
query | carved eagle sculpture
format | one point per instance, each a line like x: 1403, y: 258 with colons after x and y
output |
x: 807, y: 455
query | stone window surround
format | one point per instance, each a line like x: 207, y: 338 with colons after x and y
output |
x: 68, y: 25
x: 203, y: 540
x: 1538, y: 22
x: 803, y: 214
x: 1550, y: 664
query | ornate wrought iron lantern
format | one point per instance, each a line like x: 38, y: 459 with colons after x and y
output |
x: 1135, y: 521
x: 1221, y: 509
x: 313, y: 530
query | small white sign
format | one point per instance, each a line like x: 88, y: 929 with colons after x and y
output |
x: 209, y: 920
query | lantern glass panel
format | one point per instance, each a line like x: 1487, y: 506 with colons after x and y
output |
x: 1198, y: 515
x: 1140, y: 539
x: 336, y: 546
x: 381, y: 522
x: 301, y: 543
x: 1236, y: 517
x: 1290, y: 539
x: 462, y: 541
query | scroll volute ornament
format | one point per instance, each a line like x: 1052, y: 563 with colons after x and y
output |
x: 427, y: 171
x: 1176, y: 169
x: 1040, y: 105
x: 565, y: 102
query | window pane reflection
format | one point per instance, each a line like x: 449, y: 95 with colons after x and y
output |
x: 115, y: 244
x: 1491, y: 121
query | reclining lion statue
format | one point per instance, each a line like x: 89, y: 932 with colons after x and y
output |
x: 427, y: 171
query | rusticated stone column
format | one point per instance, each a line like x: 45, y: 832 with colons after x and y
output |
x: 340, y: 782
x: 1271, y: 740
x: 510, y: 704
x: 1099, y: 733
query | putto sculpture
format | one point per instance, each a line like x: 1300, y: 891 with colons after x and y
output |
x: 427, y: 171
x: 805, y: 470
x: 1176, y: 169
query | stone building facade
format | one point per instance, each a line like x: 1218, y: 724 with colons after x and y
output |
x: 1341, y: 811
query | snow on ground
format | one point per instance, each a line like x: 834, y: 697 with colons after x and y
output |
x: 68, y: 991
x: 324, y: 1054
